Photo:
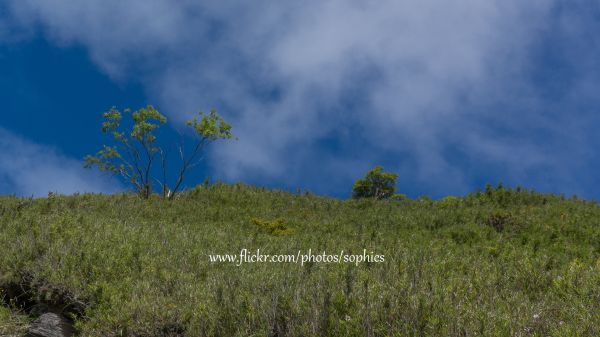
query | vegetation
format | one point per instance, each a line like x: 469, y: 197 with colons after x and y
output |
x: 11, y: 323
x: 136, y: 151
x: 377, y: 184
x: 496, y: 263
x: 276, y: 227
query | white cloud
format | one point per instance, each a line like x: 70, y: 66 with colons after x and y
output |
x: 28, y: 169
x: 408, y: 79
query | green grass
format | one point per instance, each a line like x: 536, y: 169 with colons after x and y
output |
x: 12, y: 324
x: 500, y: 263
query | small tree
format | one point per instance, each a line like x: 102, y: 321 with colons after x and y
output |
x: 207, y: 129
x: 376, y: 184
x: 135, y: 153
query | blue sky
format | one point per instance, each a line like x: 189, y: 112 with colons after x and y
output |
x: 448, y: 95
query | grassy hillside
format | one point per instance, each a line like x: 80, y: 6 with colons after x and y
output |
x: 498, y: 263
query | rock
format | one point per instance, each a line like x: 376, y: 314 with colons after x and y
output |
x: 50, y: 325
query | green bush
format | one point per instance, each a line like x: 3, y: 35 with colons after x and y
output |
x: 377, y: 184
x: 12, y: 323
x: 276, y: 227
x: 399, y: 197
x: 449, y: 202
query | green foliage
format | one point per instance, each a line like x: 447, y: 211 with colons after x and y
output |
x: 141, y: 266
x: 399, y: 197
x: 12, y: 322
x: 377, y: 184
x: 449, y: 202
x: 505, y: 197
x: 136, y: 151
x: 210, y: 126
x: 276, y: 227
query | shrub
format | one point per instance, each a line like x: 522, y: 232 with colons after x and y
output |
x: 399, y: 197
x: 449, y: 202
x: 377, y: 184
x: 499, y: 220
x: 276, y: 227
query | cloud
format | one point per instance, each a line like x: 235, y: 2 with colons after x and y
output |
x: 435, y: 90
x: 29, y: 169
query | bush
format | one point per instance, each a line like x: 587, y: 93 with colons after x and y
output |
x: 276, y: 227
x: 449, y: 202
x: 500, y: 220
x: 377, y: 184
x: 399, y: 197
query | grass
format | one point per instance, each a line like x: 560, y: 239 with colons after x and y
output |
x: 499, y: 263
x: 11, y: 323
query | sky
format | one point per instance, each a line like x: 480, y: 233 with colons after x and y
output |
x: 449, y: 95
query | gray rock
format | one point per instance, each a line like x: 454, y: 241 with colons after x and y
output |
x: 50, y: 325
